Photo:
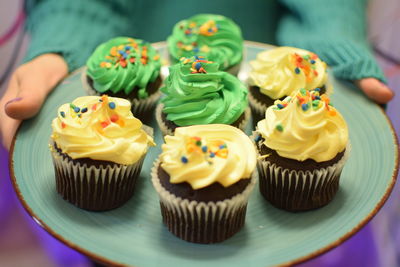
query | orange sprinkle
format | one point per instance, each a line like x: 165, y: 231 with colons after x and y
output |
x: 94, y: 107
x: 121, y: 123
x: 104, y: 124
x: 114, y: 117
x: 63, y: 125
x: 332, y: 112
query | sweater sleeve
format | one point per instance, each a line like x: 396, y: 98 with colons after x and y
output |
x: 335, y: 30
x: 72, y: 28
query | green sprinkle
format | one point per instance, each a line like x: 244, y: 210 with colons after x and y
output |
x: 279, y: 127
x: 303, y: 92
x: 198, y: 143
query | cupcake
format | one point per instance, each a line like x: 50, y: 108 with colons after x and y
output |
x: 303, y: 144
x: 98, y: 148
x: 204, y: 177
x: 126, y: 68
x: 214, y: 36
x: 280, y: 72
x: 196, y: 92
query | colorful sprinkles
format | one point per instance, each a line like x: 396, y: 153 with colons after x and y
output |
x: 305, y: 64
x: 196, y: 145
x: 123, y: 54
x: 111, y: 116
x: 197, y: 64
x: 306, y: 100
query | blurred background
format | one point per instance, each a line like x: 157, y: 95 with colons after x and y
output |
x: 24, y: 243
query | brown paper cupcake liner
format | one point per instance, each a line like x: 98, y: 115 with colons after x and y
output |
x: 141, y: 108
x: 94, y: 188
x: 168, y: 131
x: 202, y: 222
x: 299, y: 190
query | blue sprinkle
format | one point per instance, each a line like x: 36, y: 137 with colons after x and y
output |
x: 317, y: 97
x: 184, y: 159
x: 79, y: 115
x: 197, y: 66
x: 212, y: 154
x: 62, y: 113
x: 222, y: 146
x: 111, y: 105
x: 196, y: 50
x: 121, y: 52
x: 84, y: 110
x: 317, y: 89
x: 280, y: 106
x: 312, y: 61
x: 128, y: 47
x: 297, y: 70
x: 197, y: 57
x: 304, y: 106
x: 210, y: 30
x: 76, y: 109
x: 204, y: 149
x: 258, y: 138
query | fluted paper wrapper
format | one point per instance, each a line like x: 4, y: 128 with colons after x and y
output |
x: 258, y: 108
x: 202, y: 222
x: 95, y: 188
x: 299, y: 190
x: 141, y: 108
x: 167, y: 131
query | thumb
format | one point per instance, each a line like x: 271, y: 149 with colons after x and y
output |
x: 29, y: 98
x: 34, y: 81
x: 375, y: 90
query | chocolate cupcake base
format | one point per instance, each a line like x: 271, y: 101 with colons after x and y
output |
x: 202, y: 222
x: 168, y: 127
x: 94, y: 185
x: 299, y: 186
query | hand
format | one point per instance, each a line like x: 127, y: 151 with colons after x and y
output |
x: 28, y: 88
x: 375, y: 90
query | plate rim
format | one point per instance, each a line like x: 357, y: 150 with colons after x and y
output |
x: 103, y: 260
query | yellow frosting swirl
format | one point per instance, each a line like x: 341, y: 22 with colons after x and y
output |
x: 304, y: 126
x: 204, y: 154
x: 100, y: 128
x: 281, y: 71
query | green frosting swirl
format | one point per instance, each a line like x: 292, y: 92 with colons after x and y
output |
x: 198, y: 93
x: 123, y: 64
x: 216, y: 37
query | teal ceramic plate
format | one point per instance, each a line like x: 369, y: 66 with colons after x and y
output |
x: 134, y: 234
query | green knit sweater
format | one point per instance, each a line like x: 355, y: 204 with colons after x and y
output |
x: 334, y: 29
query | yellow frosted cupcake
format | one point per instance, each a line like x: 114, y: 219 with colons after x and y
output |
x: 204, y: 177
x: 98, y: 148
x: 280, y: 72
x: 303, y: 144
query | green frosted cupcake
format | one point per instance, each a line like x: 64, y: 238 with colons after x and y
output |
x: 197, y: 92
x: 127, y: 68
x: 216, y: 37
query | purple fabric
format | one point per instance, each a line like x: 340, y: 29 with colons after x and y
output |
x: 58, y: 252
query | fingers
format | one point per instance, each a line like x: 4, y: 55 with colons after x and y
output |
x: 375, y: 90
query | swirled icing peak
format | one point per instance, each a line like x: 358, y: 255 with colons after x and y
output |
x: 213, y: 36
x: 198, y: 93
x: 304, y: 126
x: 100, y: 128
x: 281, y: 71
x: 123, y: 64
x: 204, y: 154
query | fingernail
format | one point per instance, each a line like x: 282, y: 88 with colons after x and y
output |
x: 14, y: 100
